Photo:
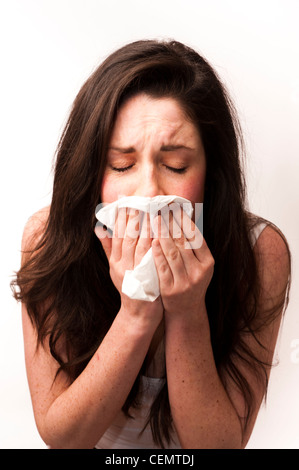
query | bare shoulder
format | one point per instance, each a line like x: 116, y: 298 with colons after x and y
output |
x: 35, y: 225
x: 34, y: 228
x: 274, y: 263
x: 272, y: 251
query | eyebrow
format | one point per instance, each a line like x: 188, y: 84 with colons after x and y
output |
x: 171, y: 148
x: 123, y: 149
x: 164, y: 148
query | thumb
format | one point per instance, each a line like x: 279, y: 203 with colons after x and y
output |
x: 105, y: 237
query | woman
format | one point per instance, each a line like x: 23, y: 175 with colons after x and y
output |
x: 191, y: 368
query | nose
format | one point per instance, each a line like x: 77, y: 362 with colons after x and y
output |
x: 149, y: 184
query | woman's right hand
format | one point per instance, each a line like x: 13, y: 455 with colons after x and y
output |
x: 124, y: 249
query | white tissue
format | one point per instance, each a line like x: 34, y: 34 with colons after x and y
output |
x: 142, y: 282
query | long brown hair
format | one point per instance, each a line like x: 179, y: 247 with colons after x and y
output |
x: 65, y: 282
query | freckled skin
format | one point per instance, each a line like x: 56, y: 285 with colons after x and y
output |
x: 163, y: 155
x: 144, y: 126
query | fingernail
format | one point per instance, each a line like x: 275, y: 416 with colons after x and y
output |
x: 99, y: 229
x: 134, y: 212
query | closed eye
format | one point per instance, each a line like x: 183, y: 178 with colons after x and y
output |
x: 170, y: 168
x: 121, y: 169
x: 176, y: 170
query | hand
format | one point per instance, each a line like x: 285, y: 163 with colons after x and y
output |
x: 130, y: 240
x: 184, y: 264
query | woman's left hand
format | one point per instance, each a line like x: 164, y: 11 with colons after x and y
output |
x: 184, y: 264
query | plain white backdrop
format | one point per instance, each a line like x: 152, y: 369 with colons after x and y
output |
x: 49, y: 48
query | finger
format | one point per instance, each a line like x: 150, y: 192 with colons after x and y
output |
x: 175, y: 215
x: 170, y: 250
x: 145, y: 240
x: 118, y: 233
x: 105, y: 237
x: 120, y: 222
x: 181, y: 242
x: 133, y: 224
x: 163, y: 269
x: 193, y: 237
x: 193, y: 247
x: 131, y: 237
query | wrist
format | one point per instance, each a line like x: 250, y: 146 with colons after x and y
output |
x: 140, y: 317
x: 188, y: 321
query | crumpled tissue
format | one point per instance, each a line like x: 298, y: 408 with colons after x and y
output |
x: 142, y: 282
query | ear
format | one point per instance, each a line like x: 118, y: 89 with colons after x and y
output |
x: 105, y: 238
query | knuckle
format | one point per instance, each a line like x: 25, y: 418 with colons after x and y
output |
x: 183, y: 288
x: 163, y: 268
x: 210, y: 262
x: 197, y: 241
x: 141, y: 249
x: 130, y: 241
x: 197, y: 277
x: 180, y: 241
x: 143, y: 243
x: 173, y: 254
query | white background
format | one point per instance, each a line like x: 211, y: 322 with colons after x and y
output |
x: 48, y: 49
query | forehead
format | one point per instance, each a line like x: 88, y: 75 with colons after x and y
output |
x: 163, y: 117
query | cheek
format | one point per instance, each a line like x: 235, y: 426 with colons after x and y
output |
x: 193, y: 189
x: 114, y: 188
x: 108, y: 190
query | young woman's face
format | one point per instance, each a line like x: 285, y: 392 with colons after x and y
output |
x: 154, y: 150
